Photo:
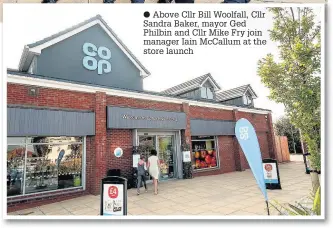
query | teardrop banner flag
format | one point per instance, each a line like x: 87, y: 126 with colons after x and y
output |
x: 248, y: 141
x: 60, y: 156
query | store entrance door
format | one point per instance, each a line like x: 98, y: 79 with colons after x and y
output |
x: 147, y: 143
x: 166, y: 152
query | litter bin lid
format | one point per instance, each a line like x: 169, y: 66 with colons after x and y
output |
x: 114, y: 179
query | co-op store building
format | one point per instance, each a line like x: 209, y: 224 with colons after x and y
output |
x: 78, y: 95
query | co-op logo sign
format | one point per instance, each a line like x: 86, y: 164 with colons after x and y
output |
x: 97, y: 58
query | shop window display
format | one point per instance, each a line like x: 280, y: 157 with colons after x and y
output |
x: 204, y: 152
x: 15, y: 168
x: 165, y: 154
x: 44, y: 164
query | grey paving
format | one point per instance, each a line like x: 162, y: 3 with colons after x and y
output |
x: 233, y: 193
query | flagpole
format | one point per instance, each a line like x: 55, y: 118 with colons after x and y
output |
x: 267, y: 207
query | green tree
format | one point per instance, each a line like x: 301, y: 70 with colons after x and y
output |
x: 284, y: 127
x: 294, y: 78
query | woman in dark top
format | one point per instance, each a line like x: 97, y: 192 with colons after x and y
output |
x: 141, y: 173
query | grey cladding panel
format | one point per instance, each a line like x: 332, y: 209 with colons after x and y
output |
x: 131, y: 118
x: 64, y: 60
x: 44, y: 122
x: 236, y: 101
x: 212, y: 127
x: 195, y: 94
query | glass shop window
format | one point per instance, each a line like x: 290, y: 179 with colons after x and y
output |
x: 44, y: 164
x: 205, y: 155
x: 15, y: 169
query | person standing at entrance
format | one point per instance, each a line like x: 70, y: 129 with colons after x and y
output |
x: 153, y: 168
x: 141, y: 173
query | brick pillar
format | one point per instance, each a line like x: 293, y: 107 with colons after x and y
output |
x: 271, y: 138
x: 100, y: 141
x: 238, y: 153
x: 186, y: 134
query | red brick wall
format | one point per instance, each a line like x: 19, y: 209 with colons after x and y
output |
x: 258, y: 121
x: 271, y: 138
x: 227, y: 154
x: 90, y: 164
x: 45, y: 198
x: 197, y: 112
x: 100, y: 141
x: 120, y: 138
x: 186, y: 134
x: 141, y: 103
x: 244, y: 160
x: 263, y: 143
x: 18, y: 94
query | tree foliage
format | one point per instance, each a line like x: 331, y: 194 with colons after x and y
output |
x: 294, y: 78
x: 284, y: 127
x: 309, y: 206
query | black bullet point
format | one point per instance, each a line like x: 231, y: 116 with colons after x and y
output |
x: 146, y: 14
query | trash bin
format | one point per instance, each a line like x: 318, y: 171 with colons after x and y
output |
x: 117, y: 173
x: 113, y: 172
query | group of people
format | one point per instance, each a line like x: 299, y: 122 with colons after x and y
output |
x: 153, y: 167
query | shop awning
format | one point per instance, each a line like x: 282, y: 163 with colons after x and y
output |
x: 134, y: 118
x: 23, y: 121
x: 212, y: 127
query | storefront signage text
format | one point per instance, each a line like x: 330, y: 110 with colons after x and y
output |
x: 149, y: 118
x: 90, y: 62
